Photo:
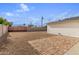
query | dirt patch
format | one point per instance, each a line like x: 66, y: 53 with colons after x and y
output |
x: 36, y: 43
x: 18, y: 43
x: 56, y: 45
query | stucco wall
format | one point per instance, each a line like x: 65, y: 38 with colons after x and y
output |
x: 3, y: 37
x: 3, y: 32
x: 74, y: 32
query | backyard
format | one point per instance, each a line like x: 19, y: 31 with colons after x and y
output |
x: 35, y: 43
x: 17, y: 42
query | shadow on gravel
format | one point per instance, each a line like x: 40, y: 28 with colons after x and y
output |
x: 3, y: 44
x: 6, y: 49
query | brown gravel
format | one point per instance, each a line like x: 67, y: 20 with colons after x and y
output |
x: 18, y: 43
x: 35, y: 43
x: 56, y: 45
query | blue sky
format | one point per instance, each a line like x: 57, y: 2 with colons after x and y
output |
x: 20, y: 13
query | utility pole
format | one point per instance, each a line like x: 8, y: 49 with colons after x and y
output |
x: 42, y: 18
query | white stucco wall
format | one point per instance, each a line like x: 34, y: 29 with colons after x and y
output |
x: 3, y: 29
x: 74, y: 32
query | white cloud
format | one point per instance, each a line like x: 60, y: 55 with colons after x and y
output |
x: 23, y: 8
x: 9, y: 14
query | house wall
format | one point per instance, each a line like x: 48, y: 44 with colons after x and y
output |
x: 74, y: 32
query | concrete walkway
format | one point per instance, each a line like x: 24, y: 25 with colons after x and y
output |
x: 74, y: 50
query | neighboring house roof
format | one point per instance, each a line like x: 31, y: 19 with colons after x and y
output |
x: 68, y: 22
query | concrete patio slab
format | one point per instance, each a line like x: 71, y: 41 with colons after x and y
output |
x: 74, y: 50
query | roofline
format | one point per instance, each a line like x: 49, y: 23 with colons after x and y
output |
x: 63, y: 20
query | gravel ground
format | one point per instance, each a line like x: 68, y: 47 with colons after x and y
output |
x: 36, y: 43
x: 17, y: 43
x: 56, y: 45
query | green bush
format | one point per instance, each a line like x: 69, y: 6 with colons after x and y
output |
x: 5, y: 22
x: 1, y: 20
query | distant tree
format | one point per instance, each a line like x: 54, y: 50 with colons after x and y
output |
x: 24, y: 24
x: 10, y: 24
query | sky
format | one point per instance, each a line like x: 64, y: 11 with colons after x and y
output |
x: 31, y: 13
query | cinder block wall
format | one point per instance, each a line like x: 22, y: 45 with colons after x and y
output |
x: 73, y: 32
